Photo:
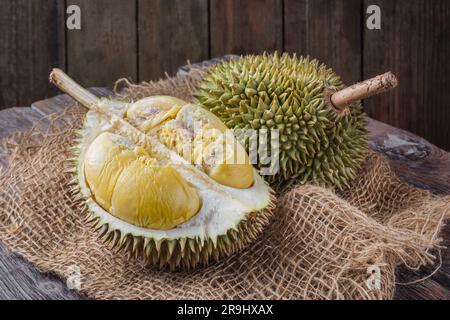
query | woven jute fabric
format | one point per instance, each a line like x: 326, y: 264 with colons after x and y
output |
x: 319, y: 244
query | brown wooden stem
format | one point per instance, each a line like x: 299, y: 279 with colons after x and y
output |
x: 345, y: 97
x: 73, y: 89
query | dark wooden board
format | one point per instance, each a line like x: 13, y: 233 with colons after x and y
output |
x: 31, y: 43
x: 414, y: 43
x: 422, y: 164
x: 143, y: 39
x: 105, y: 49
x: 329, y: 31
x: 48, y: 106
x: 413, y: 158
x: 19, y: 280
x: 171, y: 32
x: 246, y: 26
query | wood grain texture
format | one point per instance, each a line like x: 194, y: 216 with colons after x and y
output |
x: 328, y: 30
x: 105, y: 48
x: 31, y: 43
x: 414, y: 43
x: 413, y: 158
x: 436, y: 287
x: 52, y: 105
x: 246, y: 26
x: 142, y: 39
x: 171, y: 32
x: 20, y: 280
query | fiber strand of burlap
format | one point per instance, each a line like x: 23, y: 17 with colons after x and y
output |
x: 319, y: 245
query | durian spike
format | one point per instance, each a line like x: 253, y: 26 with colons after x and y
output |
x: 379, y: 84
x: 73, y: 89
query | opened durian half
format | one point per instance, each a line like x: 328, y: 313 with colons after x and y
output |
x: 164, y: 180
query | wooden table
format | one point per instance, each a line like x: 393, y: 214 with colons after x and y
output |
x: 414, y: 159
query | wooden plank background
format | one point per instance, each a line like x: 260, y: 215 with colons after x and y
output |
x: 143, y: 39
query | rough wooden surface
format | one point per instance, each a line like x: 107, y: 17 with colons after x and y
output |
x: 244, y: 26
x: 105, y: 48
x: 142, y: 39
x: 414, y: 43
x: 31, y: 43
x: 19, y: 280
x: 414, y: 159
x: 171, y: 32
x: 338, y: 26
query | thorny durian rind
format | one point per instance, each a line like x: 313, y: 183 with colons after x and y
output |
x: 318, y: 143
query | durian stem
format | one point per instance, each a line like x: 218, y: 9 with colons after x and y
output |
x: 66, y: 84
x: 379, y: 84
x: 73, y: 89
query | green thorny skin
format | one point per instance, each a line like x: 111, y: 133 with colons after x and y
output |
x: 318, y: 143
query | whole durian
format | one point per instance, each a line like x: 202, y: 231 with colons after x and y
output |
x: 318, y: 142
x: 155, y: 184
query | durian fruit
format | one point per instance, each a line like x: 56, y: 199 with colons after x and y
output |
x: 322, y: 135
x: 150, y: 191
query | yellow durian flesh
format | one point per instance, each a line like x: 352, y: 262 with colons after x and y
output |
x: 223, y: 158
x: 231, y: 165
x: 149, y: 112
x: 130, y: 184
x: 200, y: 137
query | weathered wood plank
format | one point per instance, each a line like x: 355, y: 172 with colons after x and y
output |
x: 58, y: 103
x: 17, y: 119
x: 31, y: 43
x: 246, y: 26
x: 20, y: 119
x: 413, y: 158
x: 437, y: 287
x: 422, y: 164
x: 105, y: 48
x: 20, y: 280
x: 328, y: 30
x: 171, y: 32
x: 413, y: 43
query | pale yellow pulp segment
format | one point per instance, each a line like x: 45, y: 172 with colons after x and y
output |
x: 210, y: 147
x: 130, y: 184
x: 149, y: 112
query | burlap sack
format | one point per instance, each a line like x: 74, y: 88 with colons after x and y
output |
x: 319, y: 245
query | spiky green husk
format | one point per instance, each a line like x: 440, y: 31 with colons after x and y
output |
x: 182, y: 253
x: 186, y: 253
x: 318, y: 143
